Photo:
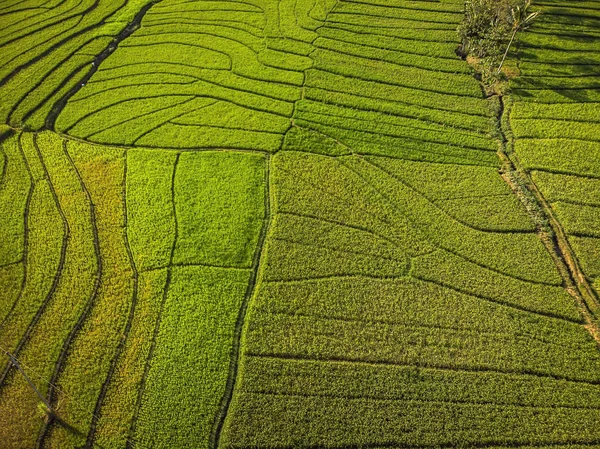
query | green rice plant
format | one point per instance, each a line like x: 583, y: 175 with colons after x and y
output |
x: 349, y: 421
x: 566, y: 156
x: 498, y: 213
x: 423, y: 35
x: 289, y: 46
x: 118, y: 124
x: 294, y: 21
x: 493, y: 250
x: 87, y: 365
x: 555, y: 123
x: 588, y: 254
x: 385, y: 125
x: 219, y: 204
x: 421, y: 15
x: 577, y: 68
x: 120, y: 404
x: 28, y: 47
x: 33, y: 108
x: 229, y: 115
x: 555, y: 56
x: 83, y: 111
x: 11, y: 283
x: 420, y: 303
x: 63, y: 285
x: 283, y: 60
x: 206, y: 47
x: 580, y: 112
x: 551, y: 95
x: 559, y: 42
x: 444, y: 268
x: 177, y: 51
x: 246, y: 19
x: 149, y: 200
x: 578, y: 219
x: 303, y: 139
x: 189, y: 369
x: 121, y: 75
x: 355, y: 341
x: 376, y: 53
x: 41, y: 265
x: 436, y: 116
x: 556, y: 82
x: 441, y: 182
x: 15, y: 188
x: 42, y: 54
x: 370, y: 143
x: 406, y: 95
x: 349, y: 16
x: 555, y: 129
x: 379, y: 13
x: 444, y: 50
x: 410, y: 383
x: 387, y: 73
x: 567, y: 188
x: 180, y: 136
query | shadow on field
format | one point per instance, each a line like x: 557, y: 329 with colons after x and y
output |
x: 71, y: 429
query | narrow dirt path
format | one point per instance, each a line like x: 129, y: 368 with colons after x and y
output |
x: 549, y: 228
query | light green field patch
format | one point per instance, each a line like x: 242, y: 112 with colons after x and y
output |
x: 189, y: 369
x: 219, y: 201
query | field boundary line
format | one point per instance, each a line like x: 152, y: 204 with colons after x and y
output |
x: 550, y: 231
x: 129, y: 29
x: 23, y: 260
x: 66, y: 237
x: 88, y: 307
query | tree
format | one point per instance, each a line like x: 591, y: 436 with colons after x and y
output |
x: 486, y: 28
x: 520, y: 20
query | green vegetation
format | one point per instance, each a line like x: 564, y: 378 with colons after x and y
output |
x: 220, y: 206
x: 488, y: 31
x: 556, y: 125
x: 300, y: 224
x: 319, y: 352
x: 194, y: 341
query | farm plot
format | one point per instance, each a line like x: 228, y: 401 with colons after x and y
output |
x: 400, y: 274
x: 93, y: 311
x: 210, y: 80
x: 47, y: 47
x: 555, y: 121
x: 378, y: 318
x: 280, y: 224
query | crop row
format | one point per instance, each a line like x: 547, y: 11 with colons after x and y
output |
x: 135, y: 223
x: 369, y: 312
x: 45, y: 52
x: 84, y: 372
x: 554, y: 120
x: 62, y: 271
x: 190, y: 365
x: 219, y: 220
x: 380, y: 424
x: 242, y: 92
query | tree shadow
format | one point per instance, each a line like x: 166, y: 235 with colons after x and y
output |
x: 55, y: 419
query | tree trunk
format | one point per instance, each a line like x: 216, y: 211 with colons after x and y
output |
x: 507, y: 48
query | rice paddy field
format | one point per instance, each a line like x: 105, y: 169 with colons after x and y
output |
x: 278, y: 224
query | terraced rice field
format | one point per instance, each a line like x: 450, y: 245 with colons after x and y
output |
x: 296, y: 224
